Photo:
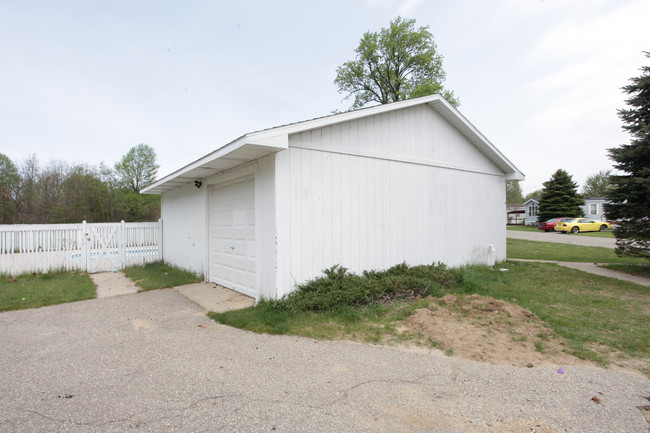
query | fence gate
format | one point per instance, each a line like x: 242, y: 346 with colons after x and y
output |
x: 101, y: 247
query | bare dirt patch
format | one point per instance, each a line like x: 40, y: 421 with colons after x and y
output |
x: 486, y: 330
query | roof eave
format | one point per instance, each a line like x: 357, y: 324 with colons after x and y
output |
x: 244, y: 149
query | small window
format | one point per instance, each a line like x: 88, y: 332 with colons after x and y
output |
x: 593, y: 209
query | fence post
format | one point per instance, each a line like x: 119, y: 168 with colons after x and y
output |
x: 122, y: 245
x: 160, y: 239
x: 85, y: 248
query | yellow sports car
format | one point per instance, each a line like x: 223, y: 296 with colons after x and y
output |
x: 577, y: 225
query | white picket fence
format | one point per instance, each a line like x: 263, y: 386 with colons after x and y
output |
x: 90, y: 247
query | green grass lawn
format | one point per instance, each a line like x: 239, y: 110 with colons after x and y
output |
x: 159, y: 275
x: 592, y: 313
x: 636, y: 269
x: 523, y: 228
x: 30, y: 291
x: 605, y: 234
x: 588, y: 310
x: 521, y: 249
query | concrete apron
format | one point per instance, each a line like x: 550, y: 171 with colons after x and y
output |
x: 210, y: 296
x: 214, y: 297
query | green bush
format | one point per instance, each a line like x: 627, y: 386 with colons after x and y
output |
x: 340, y: 288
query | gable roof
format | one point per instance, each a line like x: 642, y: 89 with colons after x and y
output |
x: 254, y: 145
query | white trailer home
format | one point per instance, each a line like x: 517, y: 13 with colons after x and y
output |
x: 413, y: 181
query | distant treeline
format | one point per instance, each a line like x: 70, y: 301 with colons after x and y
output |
x: 63, y: 193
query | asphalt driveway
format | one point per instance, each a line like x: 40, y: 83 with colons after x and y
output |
x: 563, y: 238
x: 153, y: 362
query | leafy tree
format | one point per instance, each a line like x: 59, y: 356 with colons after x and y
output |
x: 560, y: 198
x: 49, y: 189
x: 84, y: 196
x: 537, y: 194
x: 629, y: 197
x: 513, y: 192
x: 394, y: 64
x: 26, y: 191
x: 597, y: 184
x: 9, y: 180
x: 137, y: 169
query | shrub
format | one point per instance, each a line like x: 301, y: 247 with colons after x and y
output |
x: 339, y: 288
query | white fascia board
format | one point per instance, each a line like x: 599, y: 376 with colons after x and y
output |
x: 322, y: 122
x: 437, y: 102
x: 270, y: 139
x: 233, y: 145
x: 453, y: 116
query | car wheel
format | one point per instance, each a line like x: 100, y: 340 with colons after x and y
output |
x: 603, y: 228
x: 575, y: 229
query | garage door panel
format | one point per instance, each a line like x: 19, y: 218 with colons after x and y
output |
x: 232, y: 236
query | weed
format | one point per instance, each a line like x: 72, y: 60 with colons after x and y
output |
x: 539, y: 346
x: 159, y: 275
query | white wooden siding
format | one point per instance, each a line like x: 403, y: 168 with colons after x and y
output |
x: 183, y: 213
x: 342, y: 200
x: 367, y: 213
x: 366, y: 194
x: 417, y: 134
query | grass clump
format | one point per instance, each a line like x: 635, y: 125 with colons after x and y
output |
x: 159, y: 275
x: 39, y: 290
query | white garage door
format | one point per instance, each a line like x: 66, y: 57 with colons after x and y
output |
x: 232, y: 236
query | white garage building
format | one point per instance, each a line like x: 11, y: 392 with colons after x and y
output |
x: 411, y: 181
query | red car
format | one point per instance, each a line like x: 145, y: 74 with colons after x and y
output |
x: 550, y: 224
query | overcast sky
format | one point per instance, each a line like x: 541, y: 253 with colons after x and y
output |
x: 84, y: 81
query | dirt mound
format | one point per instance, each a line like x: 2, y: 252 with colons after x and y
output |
x: 487, y: 330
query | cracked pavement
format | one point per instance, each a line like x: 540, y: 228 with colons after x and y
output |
x: 153, y: 362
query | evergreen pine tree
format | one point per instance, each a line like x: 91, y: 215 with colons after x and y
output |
x: 560, y: 197
x: 629, y: 197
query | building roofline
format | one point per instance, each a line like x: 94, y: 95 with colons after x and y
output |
x: 254, y: 145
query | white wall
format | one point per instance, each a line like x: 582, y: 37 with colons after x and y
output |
x: 265, y: 226
x: 352, y: 205
x: 184, y: 234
